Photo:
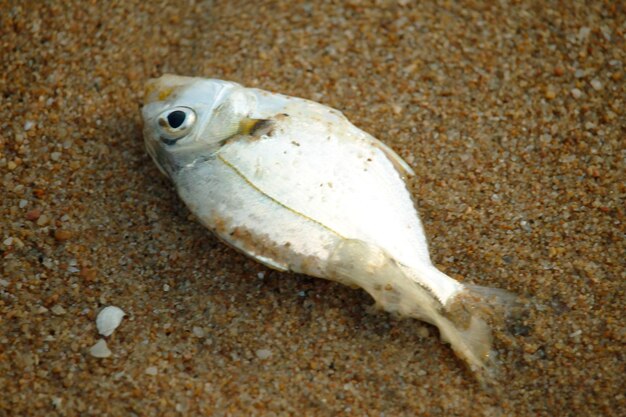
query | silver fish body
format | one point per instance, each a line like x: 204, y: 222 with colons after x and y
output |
x: 295, y: 185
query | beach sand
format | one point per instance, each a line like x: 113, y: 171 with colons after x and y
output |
x: 511, y: 113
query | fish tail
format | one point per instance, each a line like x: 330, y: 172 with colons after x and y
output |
x: 468, y: 321
x: 464, y: 322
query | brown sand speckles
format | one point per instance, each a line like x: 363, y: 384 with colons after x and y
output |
x: 511, y: 114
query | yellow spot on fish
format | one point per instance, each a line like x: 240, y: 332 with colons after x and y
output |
x: 165, y: 93
x: 247, y: 125
x: 148, y: 93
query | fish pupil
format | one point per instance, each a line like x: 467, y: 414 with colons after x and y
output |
x: 176, y: 118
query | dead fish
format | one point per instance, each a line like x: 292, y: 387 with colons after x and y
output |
x: 296, y: 186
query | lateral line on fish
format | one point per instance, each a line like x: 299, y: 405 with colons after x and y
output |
x: 256, y: 188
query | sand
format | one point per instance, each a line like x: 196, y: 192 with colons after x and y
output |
x: 511, y: 114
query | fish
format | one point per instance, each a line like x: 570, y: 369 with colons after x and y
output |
x: 293, y: 184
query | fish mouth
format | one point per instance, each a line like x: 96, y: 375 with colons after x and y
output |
x: 161, y: 158
x: 159, y: 89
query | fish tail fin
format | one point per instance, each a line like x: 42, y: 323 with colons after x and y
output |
x: 468, y: 322
x: 472, y: 344
x: 464, y: 322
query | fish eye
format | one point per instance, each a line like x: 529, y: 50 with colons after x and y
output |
x: 175, y: 123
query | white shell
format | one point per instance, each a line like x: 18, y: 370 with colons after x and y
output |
x: 100, y: 349
x: 109, y: 319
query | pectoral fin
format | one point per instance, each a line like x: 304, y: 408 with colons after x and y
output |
x: 400, y: 164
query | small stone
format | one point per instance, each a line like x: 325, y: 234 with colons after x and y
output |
x: 576, y: 333
x: 606, y: 32
x: 28, y: 125
x: 62, y: 235
x: 558, y: 71
x: 261, y: 275
x: 422, y: 332
x: 576, y: 93
x: 263, y: 353
x: 151, y: 370
x: 88, y: 274
x: 4, y: 283
x: 57, y: 401
x: 546, y: 265
x: 58, y: 310
x: 550, y: 93
x: 33, y: 215
x: 8, y: 241
x: 100, y: 349
x: 198, y: 331
x: 23, y: 203
x: 596, y: 84
x: 43, y: 220
x: 583, y: 33
x: 11, y: 165
x: 166, y: 287
x: 55, y: 156
x: 109, y: 319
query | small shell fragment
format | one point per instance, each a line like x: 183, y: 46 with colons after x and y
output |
x: 109, y: 319
x: 100, y: 349
x: 58, y: 310
x: 198, y: 331
x: 263, y: 353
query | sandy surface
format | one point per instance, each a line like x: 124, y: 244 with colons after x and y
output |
x: 512, y: 115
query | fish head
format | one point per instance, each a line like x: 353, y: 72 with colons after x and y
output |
x: 185, y: 118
